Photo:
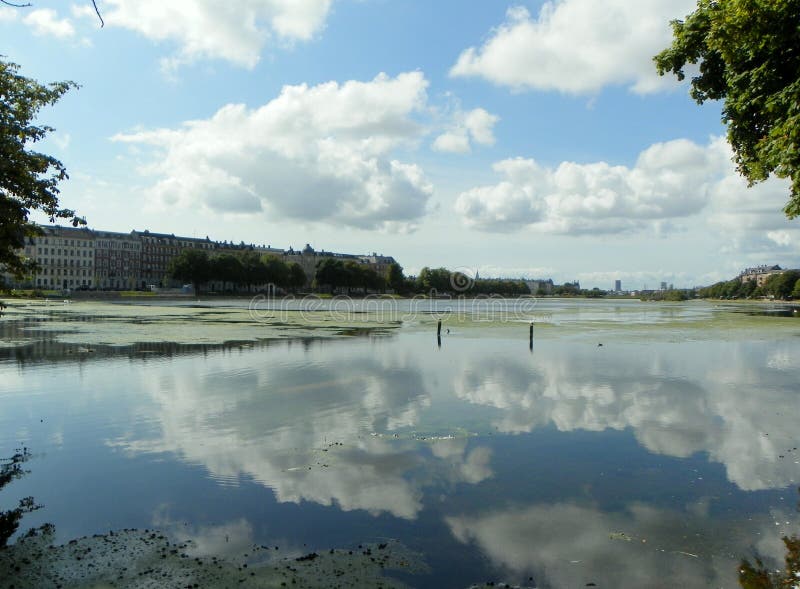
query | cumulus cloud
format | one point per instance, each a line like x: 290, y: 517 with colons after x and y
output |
x: 669, y: 180
x: 232, y: 31
x: 317, y: 153
x: 670, y: 184
x: 46, y: 23
x: 474, y: 126
x: 576, y: 46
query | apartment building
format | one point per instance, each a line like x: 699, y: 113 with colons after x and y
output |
x: 82, y: 258
x: 118, y: 258
x: 759, y: 274
x: 65, y: 256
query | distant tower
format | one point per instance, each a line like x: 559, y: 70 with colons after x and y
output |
x: 663, y: 286
x: 617, y: 286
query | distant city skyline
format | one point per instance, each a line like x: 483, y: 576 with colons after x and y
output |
x: 427, y: 130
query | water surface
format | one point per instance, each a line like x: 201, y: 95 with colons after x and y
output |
x: 659, y: 458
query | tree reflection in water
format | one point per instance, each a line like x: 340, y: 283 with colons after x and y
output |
x: 758, y: 576
x: 10, y: 470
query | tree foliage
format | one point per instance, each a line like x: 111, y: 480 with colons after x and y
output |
x: 780, y: 286
x: 191, y: 265
x: 28, y: 179
x: 444, y: 281
x: 334, y: 274
x: 749, y: 57
x: 235, y: 270
x: 297, y: 276
x: 394, y: 277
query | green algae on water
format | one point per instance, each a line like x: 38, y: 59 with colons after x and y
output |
x: 136, y: 559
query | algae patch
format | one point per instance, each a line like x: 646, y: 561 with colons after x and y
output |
x: 149, y: 559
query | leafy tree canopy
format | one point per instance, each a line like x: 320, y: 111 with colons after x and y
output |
x: 192, y: 265
x: 749, y: 57
x: 28, y: 179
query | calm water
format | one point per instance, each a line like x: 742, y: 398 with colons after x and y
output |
x: 650, y: 461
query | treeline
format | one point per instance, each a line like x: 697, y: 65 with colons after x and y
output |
x: 672, y: 294
x: 334, y: 274
x: 249, y: 269
x: 445, y: 281
x: 569, y: 289
x: 238, y: 270
x: 785, y: 285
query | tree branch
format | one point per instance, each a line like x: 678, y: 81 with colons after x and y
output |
x: 27, y: 4
x: 102, y: 23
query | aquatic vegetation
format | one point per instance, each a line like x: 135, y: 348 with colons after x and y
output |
x: 149, y: 558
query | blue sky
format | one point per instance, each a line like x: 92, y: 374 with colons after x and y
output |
x: 511, y: 138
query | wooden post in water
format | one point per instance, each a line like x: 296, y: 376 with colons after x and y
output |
x: 439, y: 329
x: 530, y: 336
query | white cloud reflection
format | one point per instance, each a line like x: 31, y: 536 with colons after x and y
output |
x: 308, y: 432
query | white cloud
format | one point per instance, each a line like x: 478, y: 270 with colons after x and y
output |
x: 7, y: 14
x: 46, y: 23
x: 452, y: 142
x: 232, y: 31
x: 669, y: 180
x: 476, y: 126
x: 671, y: 185
x: 480, y: 125
x: 321, y: 153
x: 577, y: 46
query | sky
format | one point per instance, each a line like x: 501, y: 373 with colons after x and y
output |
x: 514, y: 139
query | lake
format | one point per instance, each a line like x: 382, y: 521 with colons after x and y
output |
x: 631, y: 445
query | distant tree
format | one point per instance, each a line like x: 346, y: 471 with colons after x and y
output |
x: 374, y: 281
x: 796, y: 290
x: 437, y: 279
x: 595, y: 293
x: 566, y: 289
x: 394, y: 277
x: 675, y: 295
x: 297, y: 276
x: 253, y: 270
x: 748, y: 57
x: 228, y: 269
x: 276, y: 271
x: 781, y: 285
x: 191, y: 265
x: 28, y: 179
x: 747, y: 288
x: 331, y: 273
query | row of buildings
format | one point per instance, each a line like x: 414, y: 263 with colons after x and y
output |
x: 82, y: 258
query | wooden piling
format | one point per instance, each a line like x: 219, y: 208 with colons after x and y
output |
x: 439, y: 329
x: 530, y: 336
